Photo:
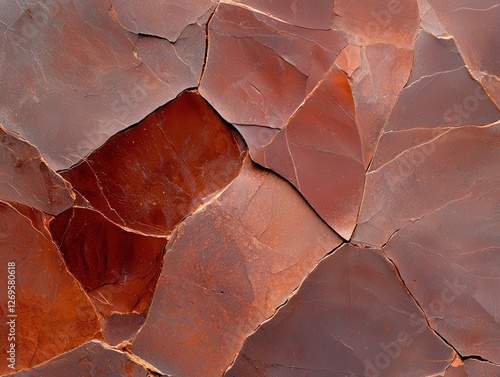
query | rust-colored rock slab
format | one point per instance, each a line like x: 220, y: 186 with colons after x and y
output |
x: 449, y: 261
x: 345, y: 321
x: 472, y: 368
x: 118, y: 269
x: 150, y: 16
x: 226, y: 270
x: 119, y: 328
x: 78, y: 79
x: 259, y: 69
x: 319, y: 152
x: 51, y: 314
x: 439, y: 167
x: 151, y: 176
x: 26, y: 178
x: 92, y: 359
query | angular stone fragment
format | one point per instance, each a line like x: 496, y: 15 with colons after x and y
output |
x: 429, y: 20
x: 26, y: 178
x: 149, y: 177
x: 379, y: 21
x: 345, y: 321
x: 440, y: 90
x: 472, y: 368
x: 91, y: 359
x: 53, y: 314
x: 438, y: 166
x: 259, y: 69
x: 165, y: 19
x: 119, y: 328
x: 227, y: 269
x: 376, y: 85
x: 475, y: 28
x: 319, y: 152
x: 449, y: 261
x: 78, y: 79
x: 349, y: 59
x: 118, y: 269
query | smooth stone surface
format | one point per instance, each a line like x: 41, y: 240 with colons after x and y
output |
x: 344, y: 320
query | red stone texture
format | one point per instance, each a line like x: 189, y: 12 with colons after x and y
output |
x: 222, y: 188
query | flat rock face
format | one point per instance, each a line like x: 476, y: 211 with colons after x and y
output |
x: 216, y: 188
x: 474, y: 25
x: 226, y: 270
x: 438, y: 167
x: 91, y: 359
x: 343, y: 320
x: 449, y: 261
x: 50, y: 314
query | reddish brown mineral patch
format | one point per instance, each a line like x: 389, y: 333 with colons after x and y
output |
x: 127, y: 200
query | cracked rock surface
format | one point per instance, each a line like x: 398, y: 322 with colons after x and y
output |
x: 222, y: 188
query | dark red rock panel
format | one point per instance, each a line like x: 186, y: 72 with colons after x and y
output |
x: 150, y: 177
x: 91, y: 359
x: 118, y: 269
x: 26, y: 178
x: 344, y: 321
x: 227, y: 269
x: 50, y: 314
